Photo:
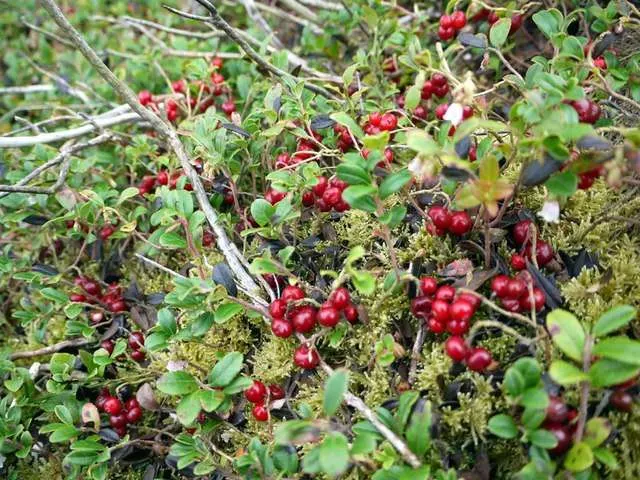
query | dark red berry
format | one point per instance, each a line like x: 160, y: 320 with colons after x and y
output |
x: 291, y: 293
x: 563, y: 436
x: 134, y: 415
x: 520, y: 231
x: 304, y: 319
x: 112, y: 406
x: 256, y: 393
x: 516, y: 23
x: 278, y: 308
x: 78, y: 298
x: 328, y: 316
x: 544, y: 253
x: 276, y: 392
x: 421, y: 306
x: 131, y: 404
x: 108, y: 345
x: 260, y: 413
x: 440, y: 216
x: 281, y: 328
x: 446, y: 293
x: 332, y: 196
x: 138, y: 355
x: 106, y: 231
x: 119, y: 420
x: 92, y: 288
x: 308, y: 198
x: 461, y: 310
x: 499, y: 285
x: 557, y: 410
x: 306, y: 357
x: 621, y: 400
x: 518, y: 262
x: 515, y: 288
x: 538, y: 300
x: 351, y: 313
x: 511, y: 304
x: 460, y: 223
x: 456, y: 348
x: 340, y: 298
x: 136, y: 340
x: 478, y: 359
x: 441, y: 110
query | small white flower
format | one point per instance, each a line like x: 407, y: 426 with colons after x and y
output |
x: 550, y: 211
x: 176, y: 366
x: 454, y: 114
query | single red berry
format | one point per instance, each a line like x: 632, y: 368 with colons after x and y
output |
x: 217, y: 62
x: 470, y: 298
x: 375, y: 118
x: 544, y: 253
x: 78, y: 298
x: 322, y: 205
x: 256, y: 393
x: 420, y: 112
x: 108, y: 345
x: 440, y: 311
x: 304, y: 319
x: 457, y: 327
x: 306, y: 357
x: 442, y: 90
x: 276, y: 392
x: 460, y: 223
x: 134, y: 415
x: 388, y: 122
x: 281, y: 328
x: 515, y: 288
x: 291, y: 293
x: 538, y: 300
x: 557, y: 411
x: 340, y: 298
x: 119, y: 420
x: 478, y: 359
x: 435, y: 326
x: 563, y: 436
x: 518, y: 262
x: 131, y: 403
x: 473, y: 154
x: 351, y: 313
x: 516, y: 23
x: 138, y: 356
x: 421, y: 306
x: 228, y: 107
x: 106, y: 231
x: 446, y: 293
x: 461, y: 310
x: 308, y: 198
x: 458, y: 19
x: 440, y: 216
x: 260, y: 413
x: 332, y: 196
x: 438, y: 79
x: 278, y: 308
x: 339, y: 184
x: 511, y: 304
x: 100, y: 400
x: 328, y: 316
x: 217, y: 78
x: 112, y: 406
x: 446, y: 21
x: 456, y: 348
x: 492, y: 17
x: 319, y: 188
x: 446, y: 33
x: 621, y: 400
x: 520, y: 231
x: 441, y: 110
x: 136, y: 340
x: 118, y: 306
x: 145, y: 97
x: 428, y: 285
x: 600, y: 63
x: 427, y: 90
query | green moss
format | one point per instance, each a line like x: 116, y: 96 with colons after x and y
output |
x: 276, y: 359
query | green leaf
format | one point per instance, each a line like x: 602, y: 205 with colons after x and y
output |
x: 376, y: 142
x: 63, y: 433
x: 127, y: 193
x: 579, y: 458
x: 535, y: 398
x: 566, y: 374
x: 606, y: 457
x: 364, y: 443
x: 597, y: 430
x: 412, y: 97
x: 177, y: 383
x: 503, y: 426
x: 499, y: 32
x: 622, y: 349
x: 344, y: 119
x: 393, y: 183
x: 262, y: 211
x: 563, y: 184
x: 227, y: 311
x: 334, y: 391
x: 606, y: 372
x: 567, y: 333
x: 63, y: 414
x: 514, y: 382
x: 532, y: 418
x: 364, y: 282
x: 188, y: 408
x: 353, y: 174
x: 172, y: 240
x: 167, y: 321
x: 226, y: 369
x: 360, y: 197
x: 529, y: 369
x: 394, y: 217
x: 421, y: 142
x: 614, y: 319
x: 334, y: 454
x: 54, y: 295
x: 418, y: 432
x: 548, y: 21
x: 543, y: 438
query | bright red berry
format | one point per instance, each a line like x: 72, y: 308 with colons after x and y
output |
x: 440, y: 216
x: 306, y: 357
x: 460, y: 223
x: 260, y: 413
x: 228, y: 107
x: 478, y: 359
x: 435, y: 326
x: 278, y: 308
x: 106, y: 231
x: 518, y: 262
x: 332, y: 196
x: 428, y: 285
x: 515, y: 288
x: 457, y: 327
x: 446, y: 21
x: 281, y: 328
x: 78, y: 298
x: 328, y: 316
x: 256, y: 393
x: 319, y: 188
x: 131, y: 403
x: 458, y: 19
x: 351, y: 313
x: 145, y: 97
x: 112, y: 406
x: 440, y: 311
x: 340, y: 298
x: 461, y: 310
x: 291, y: 293
x: 304, y: 319
x: 441, y: 110
x: 134, y: 415
x: 388, y: 122
x: 456, y: 348
x: 446, y: 293
x: 470, y: 298
x: 538, y: 300
x: 511, y: 304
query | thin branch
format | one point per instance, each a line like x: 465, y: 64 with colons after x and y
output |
x: 56, y: 347
x: 415, y: 353
x: 165, y: 130
x: 251, y: 9
x: 159, y: 266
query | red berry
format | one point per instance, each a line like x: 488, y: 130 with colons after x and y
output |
x: 106, y: 231
x: 621, y: 400
x: 118, y: 421
x: 538, y: 300
x: 375, y: 118
x: 291, y: 293
x: 340, y: 298
x: 388, y: 122
x: 458, y: 19
x: 440, y: 311
x: 544, y: 253
x: 473, y: 154
x: 516, y: 23
x: 332, y: 196
x: 427, y: 90
x: 441, y: 110
x: 515, y: 288
x: 276, y: 392
x: 518, y: 262
x: 319, y: 188
x: 435, y: 326
x: 557, y: 410
x: 228, y: 107
x: 428, y: 285
x: 304, y: 319
x: 420, y: 112
x: 600, y: 63
x: 308, y: 198
x: 108, y: 345
x: 478, y: 359
x: 511, y: 304
x: 585, y: 182
x: 136, y: 340
x: 99, y: 403
x: 281, y: 328
x: 217, y: 78
x: 520, y: 231
x: 118, y: 306
x: 134, y: 415
x: 563, y: 436
x: 256, y: 393
x: 472, y: 299
x: 322, y: 205
x: 446, y: 33
x: 456, y: 348
x: 138, y: 356
x: 131, y: 403
x: 461, y: 310
x: 78, y: 298
x: 499, y: 285
x: 112, y: 406
x: 328, y: 316
x: 467, y: 112
x: 442, y: 90
x: 351, y: 313
x: 446, y: 21
x: 440, y: 216
x: 260, y: 413
x: 145, y: 97
x: 460, y: 223
x: 446, y: 293
x: 217, y: 63
x: 278, y: 308
x: 421, y: 306
x: 305, y: 357
x: 438, y: 79
x: 492, y: 17
x: 457, y: 327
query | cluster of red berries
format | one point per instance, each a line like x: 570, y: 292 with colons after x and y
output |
x: 588, y: 111
x: 305, y: 149
x: 150, y: 182
x: 450, y: 24
x: 437, y: 85
x: 287, y: 318
x: 260, y: 396
x: 442, y: 309
x: 135, y: 342
x: 112, y: 298
x: 443, y: 220
x: 120, y: 415
x: 477, y: 359
x: 560, y: 420
x: 380, y: 122
x: 388, y: 157
x: 326, y: 195
x: 514, y: 293
x: 523, y: 237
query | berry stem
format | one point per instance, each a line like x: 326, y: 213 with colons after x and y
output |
x: 493, y: 306
x: 584, y: 389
